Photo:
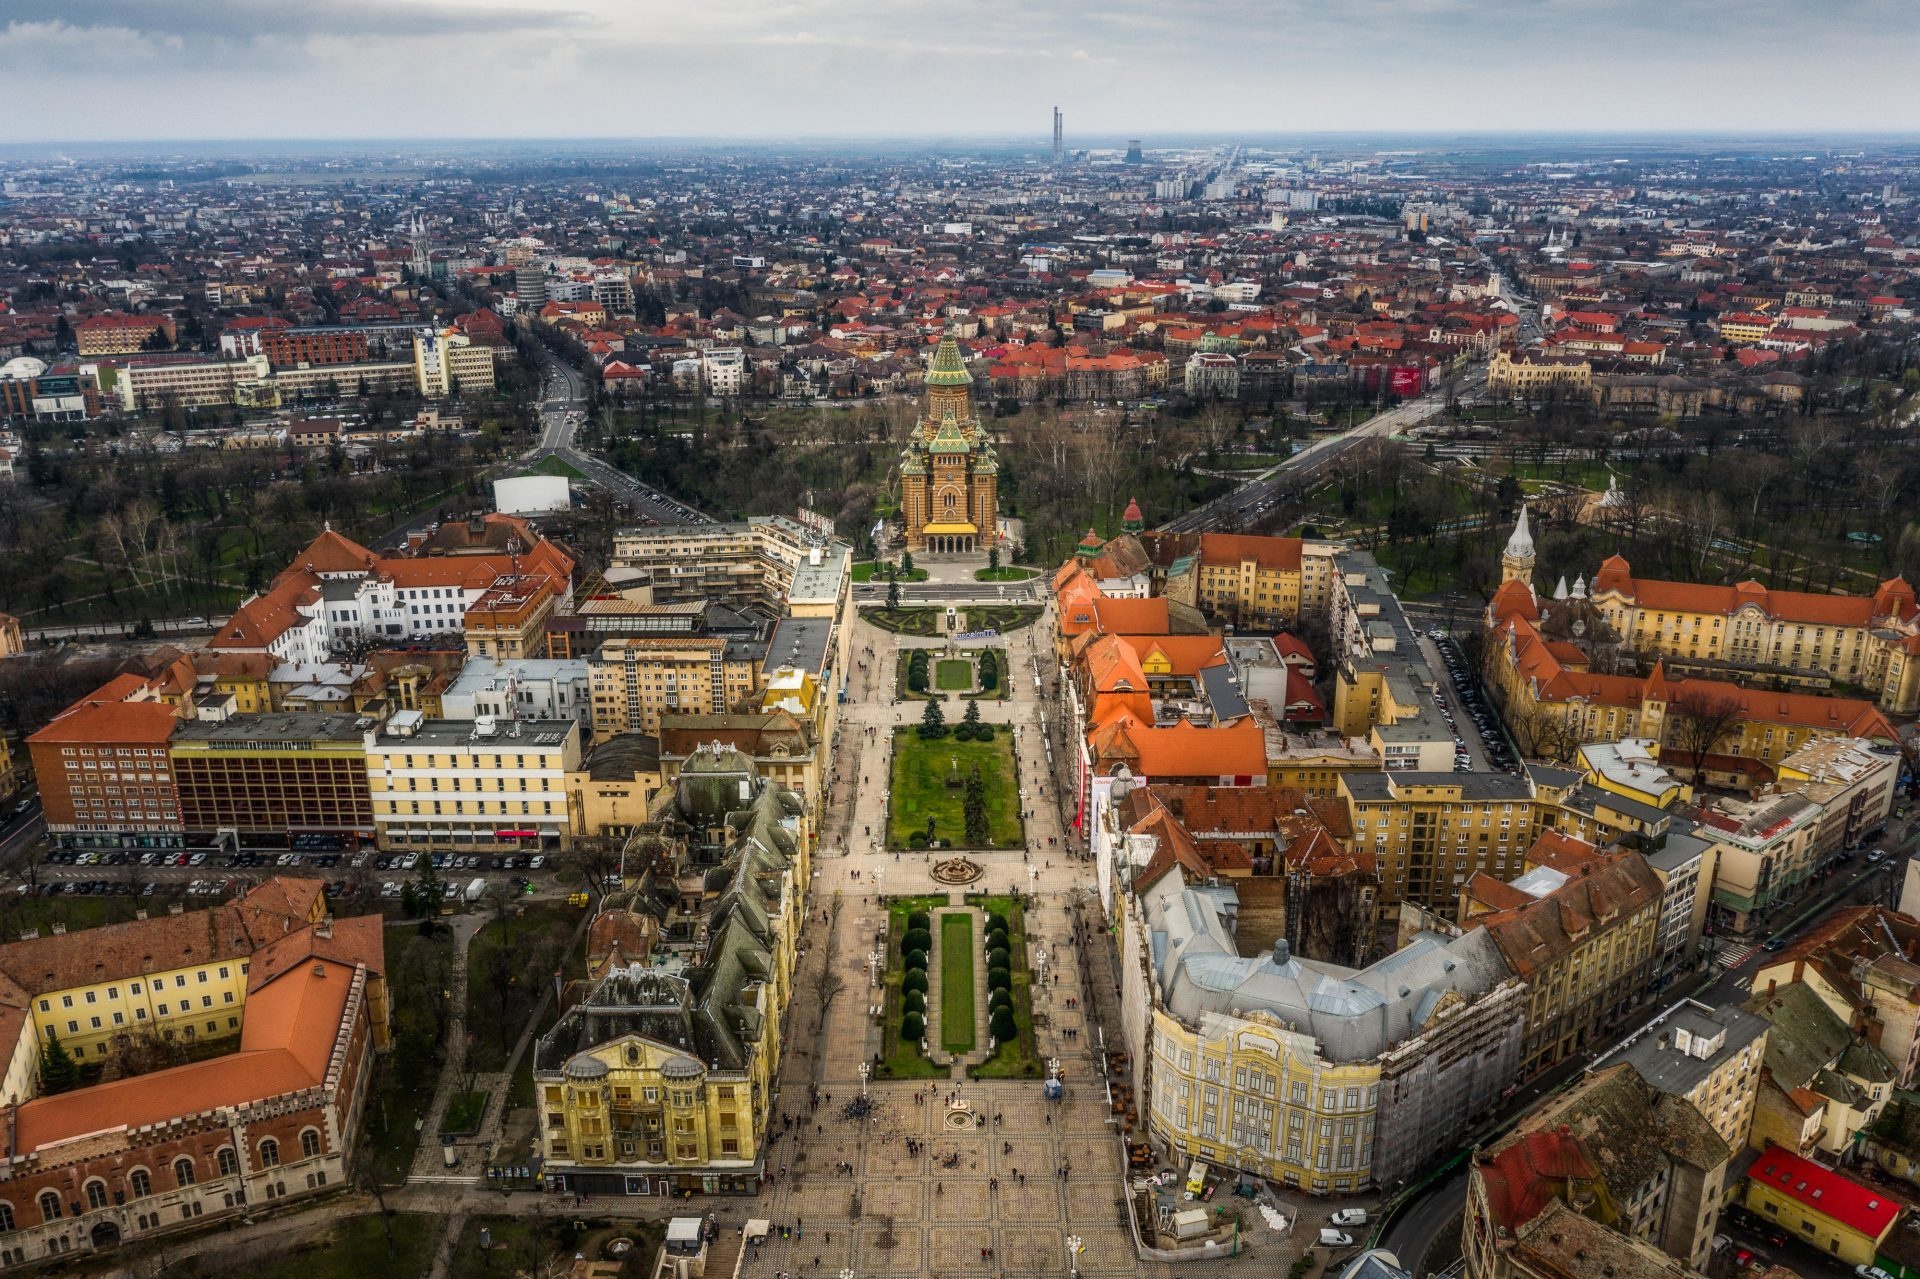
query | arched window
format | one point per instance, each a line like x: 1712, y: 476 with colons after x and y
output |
x: 269, y: 1153
x: 96, y: 1194
x: 141, y: 1183
x: 949, y: 501
x: 49, y: 1206
x: 309, y: 1143
x: 183, y: 1172
x: 6, y: 1216
x: 229, y: 1162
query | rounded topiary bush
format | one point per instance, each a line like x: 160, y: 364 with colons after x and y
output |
x: 917, y: 939
x: 918, y: 839
x: 913, y: 1026
x: 999, y: 958
x: 999, y: 979
x: 1000, y: 998
x: 996, y: 927
x: 919, y: 919
x: 914, y: 1002
x: 915, y: 981
x: 1003, y: 1025
x: 983, y: 732
x: 917, y: 960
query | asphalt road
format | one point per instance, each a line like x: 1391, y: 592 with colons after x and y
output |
x: 565, y: 395
x: 1258, y: 494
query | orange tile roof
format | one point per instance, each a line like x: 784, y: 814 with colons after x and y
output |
x: 288, y: 1031
x: 1185, y: 654
x: 95, y: 721
x: 1183, y: 749
x: 1894, y: 597
x: 1235, y: 548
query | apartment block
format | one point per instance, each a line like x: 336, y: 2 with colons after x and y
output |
x: 270, y: 776
x: 636, y: 681
x: 474, y: 786
x: 106, y: 779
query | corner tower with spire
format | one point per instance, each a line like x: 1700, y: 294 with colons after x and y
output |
x: 949, y: 476
x: 1516, y: 562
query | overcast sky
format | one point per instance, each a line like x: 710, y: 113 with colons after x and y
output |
x: 139, y: 69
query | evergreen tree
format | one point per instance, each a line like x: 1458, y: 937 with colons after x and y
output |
x: 993, y: 559
x: 970, y: 721
x: 893, y: 594
x: 974, y: 807
x: 58, y: 1073
x: 933, y: 724
x: 906, y: 564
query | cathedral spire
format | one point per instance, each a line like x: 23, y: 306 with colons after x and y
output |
x: 1516, y: 562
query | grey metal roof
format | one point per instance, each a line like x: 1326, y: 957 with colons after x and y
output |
x: 1653, y: 1053
x: 799, y: 642
x: 1354, y: 1014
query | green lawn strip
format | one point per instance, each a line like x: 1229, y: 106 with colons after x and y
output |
x: 900, y: 1058
x: 558, y: 466
x: 1005, y: 573
x: 1018, y: 1058
x: 956, y: 983
x: 953, y: 675
x: 357, y: 1246
x: 868, y: 571
x: 464, y: 1112
x: 919, y: 787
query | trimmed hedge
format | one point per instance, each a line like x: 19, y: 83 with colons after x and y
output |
x: 999, y: 979
x: 914, y: 1002
x: 983, y: 732
x: 917, y: 939
x: 915, y: 981
x: 914, y: 1027
x: 917, y: 960
x: 998, y: 957
x: 1000, y: 998
x: 919, y: 919
x: 1003, y: 1026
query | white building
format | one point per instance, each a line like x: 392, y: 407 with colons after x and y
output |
x: 723, y: 369
x: 524, y: 688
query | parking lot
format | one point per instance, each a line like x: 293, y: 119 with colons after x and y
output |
x: 364, y: 876
x: 1480, y: 743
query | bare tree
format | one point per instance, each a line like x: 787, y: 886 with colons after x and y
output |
x: 1698, y: 719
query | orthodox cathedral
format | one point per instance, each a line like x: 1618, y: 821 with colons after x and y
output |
x: 949, y: 477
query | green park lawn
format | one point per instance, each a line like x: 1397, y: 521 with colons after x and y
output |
x: 956, y: 983
x: 1005, y: 573
x: 919, y: 790
x: 953, y: 675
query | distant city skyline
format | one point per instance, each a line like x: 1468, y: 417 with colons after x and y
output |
x: 118, y: 70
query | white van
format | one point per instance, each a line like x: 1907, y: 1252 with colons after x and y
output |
x: 1335, y: 1239
x: 1349, y: 1217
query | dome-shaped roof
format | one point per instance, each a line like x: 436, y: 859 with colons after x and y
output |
x: 586, y: 1067
x: 677, y: 1067
x: 23, y: 368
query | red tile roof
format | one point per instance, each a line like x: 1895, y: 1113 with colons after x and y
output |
x: 1864, y: 1209
x: 1530, y: 1172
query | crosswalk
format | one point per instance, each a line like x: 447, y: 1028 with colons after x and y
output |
x: 1733, y: 956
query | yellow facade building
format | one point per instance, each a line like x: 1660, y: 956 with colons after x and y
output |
x: 1868, y: 641
x: 661, y: 1079
x: 1527, y: 377
x: 949, y: 473
x: 1319, y: 1077
x: 634, y: 682
x: 471, y: 785
x: 1261, y: 582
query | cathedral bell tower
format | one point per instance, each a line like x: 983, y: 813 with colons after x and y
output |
x: 1516, y: 562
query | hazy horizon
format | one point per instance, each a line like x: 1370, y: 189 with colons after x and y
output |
x: 269, y: 70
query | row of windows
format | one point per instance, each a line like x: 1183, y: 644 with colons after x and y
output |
x: 140, y: 1181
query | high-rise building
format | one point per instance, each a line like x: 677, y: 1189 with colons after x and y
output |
x: 1059, y: 151
x: 1134, y: 155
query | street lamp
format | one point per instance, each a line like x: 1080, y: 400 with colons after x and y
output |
x: 1073, y: 1256
x: 865, y: 1070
